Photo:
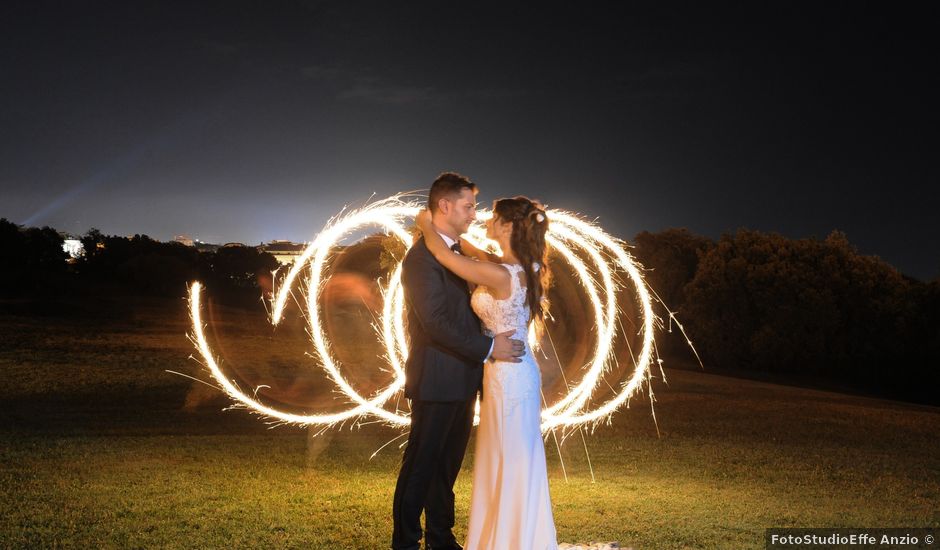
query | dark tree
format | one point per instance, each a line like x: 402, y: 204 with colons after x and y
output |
x: 671, y: 258
x: 34, y: 260
x: 139, y: 264
x: 233, y: 273
x: 766, y: 303
x: 921, y: 348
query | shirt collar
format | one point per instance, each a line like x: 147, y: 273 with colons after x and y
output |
x: 447, y: 240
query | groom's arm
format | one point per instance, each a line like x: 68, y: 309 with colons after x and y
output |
x: 425, y: 280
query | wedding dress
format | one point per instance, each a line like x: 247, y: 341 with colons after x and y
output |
x: 510, y: 506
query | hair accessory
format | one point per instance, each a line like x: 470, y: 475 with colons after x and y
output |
x: 536, y: 267
x: 540, y: 217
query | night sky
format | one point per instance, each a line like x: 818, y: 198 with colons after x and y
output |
x: 257, y: 121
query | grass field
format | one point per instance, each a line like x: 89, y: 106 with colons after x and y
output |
x: 99, y: 448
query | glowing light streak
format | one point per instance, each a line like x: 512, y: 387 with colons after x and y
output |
x: 568, y: 233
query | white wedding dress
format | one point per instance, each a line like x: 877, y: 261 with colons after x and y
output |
x: 510, y: 507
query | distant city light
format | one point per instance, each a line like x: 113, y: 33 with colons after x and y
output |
x: 73, y: 247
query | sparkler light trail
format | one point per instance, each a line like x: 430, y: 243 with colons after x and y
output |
x: 596, y: 257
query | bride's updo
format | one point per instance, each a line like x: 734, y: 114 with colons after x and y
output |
x: 530, y: 224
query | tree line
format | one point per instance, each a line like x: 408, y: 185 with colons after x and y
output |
x: 139, y: 265
x: 751, y: 301
x: 810, y: 308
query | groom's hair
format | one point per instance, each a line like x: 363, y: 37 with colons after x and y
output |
x: 448, y: 185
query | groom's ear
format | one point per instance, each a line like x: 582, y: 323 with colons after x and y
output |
x: 443, y: 206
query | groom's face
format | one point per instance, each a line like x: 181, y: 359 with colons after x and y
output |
x: 460, y: 211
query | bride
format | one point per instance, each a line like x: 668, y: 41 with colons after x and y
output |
x: 510, y: 506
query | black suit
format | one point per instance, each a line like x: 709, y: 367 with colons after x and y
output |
x: 443, y: 374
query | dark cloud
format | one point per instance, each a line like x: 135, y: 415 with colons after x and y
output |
x: 374, y: 91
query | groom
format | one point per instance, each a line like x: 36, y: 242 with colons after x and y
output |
x: 443, y: 373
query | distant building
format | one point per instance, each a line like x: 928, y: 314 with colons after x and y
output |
x: 73, y: 247
x: 184, y: 240
x: 285, y: 252
x: 71, y: 244
x: 200, y: 246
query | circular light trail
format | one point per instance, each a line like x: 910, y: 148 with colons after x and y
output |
x: 583, y: 245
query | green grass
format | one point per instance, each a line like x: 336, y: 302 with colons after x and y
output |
x: 96, y: 449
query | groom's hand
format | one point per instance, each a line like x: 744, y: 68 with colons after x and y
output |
x: 506, y: 348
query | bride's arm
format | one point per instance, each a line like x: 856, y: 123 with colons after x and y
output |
x: 488, y: 274
x: 477, y: 253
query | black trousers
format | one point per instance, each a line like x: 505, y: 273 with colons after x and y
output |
x: 429, y: 467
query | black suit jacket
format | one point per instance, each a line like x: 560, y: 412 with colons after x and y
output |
x: 447, y: 349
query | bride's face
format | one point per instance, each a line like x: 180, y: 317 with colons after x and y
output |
x: 498, y: 230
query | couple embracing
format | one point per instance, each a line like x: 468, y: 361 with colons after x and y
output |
x: 450, y: 286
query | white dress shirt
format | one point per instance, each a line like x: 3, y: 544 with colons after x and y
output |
x: 447, y: 240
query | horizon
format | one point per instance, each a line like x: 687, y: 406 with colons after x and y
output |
x: 630, y: 243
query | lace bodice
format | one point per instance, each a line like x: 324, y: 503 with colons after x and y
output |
x: 502, y: 315
x: 507, y: 382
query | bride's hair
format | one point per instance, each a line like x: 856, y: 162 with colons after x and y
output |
x: 530, y: 224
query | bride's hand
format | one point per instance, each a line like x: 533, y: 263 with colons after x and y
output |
x: 423, y: 220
